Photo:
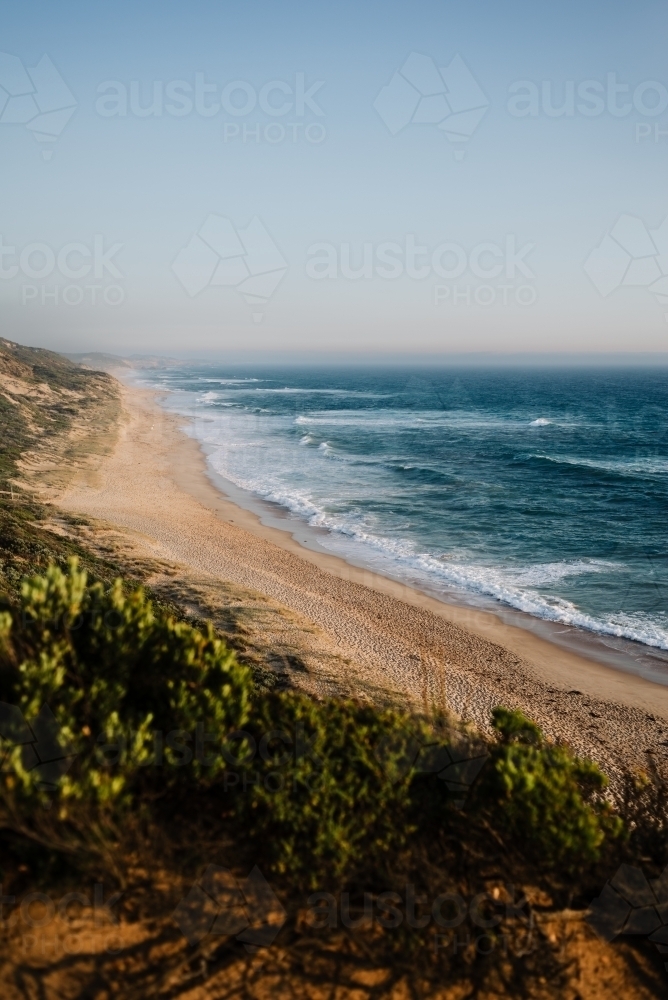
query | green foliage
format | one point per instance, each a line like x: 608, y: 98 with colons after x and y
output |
x: 326, y: 786
x: 112, y: 672
x: 545, y: 797
x: 514, y: 727
x: 330, y: 790
x: 321, y: 791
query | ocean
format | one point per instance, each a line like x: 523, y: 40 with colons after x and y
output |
x: 539, y: 493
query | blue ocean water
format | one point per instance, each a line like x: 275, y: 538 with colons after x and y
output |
x: 545, y: 491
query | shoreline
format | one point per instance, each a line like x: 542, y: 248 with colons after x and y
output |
x: 156, y: 486
x: 598, y: 641
x: 616, y: 653
x: 613, y: 652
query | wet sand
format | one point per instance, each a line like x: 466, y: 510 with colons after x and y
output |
x: 355, y: 632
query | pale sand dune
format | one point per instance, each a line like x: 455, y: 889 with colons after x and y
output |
x: 355, y: 631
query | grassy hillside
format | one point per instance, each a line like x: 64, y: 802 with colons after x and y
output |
x: 48, y: 406
x: 42, y: 394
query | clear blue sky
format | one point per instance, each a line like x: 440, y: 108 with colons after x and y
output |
x: 520, y: 205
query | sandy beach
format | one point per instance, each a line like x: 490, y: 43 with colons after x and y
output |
x: 329, y: 627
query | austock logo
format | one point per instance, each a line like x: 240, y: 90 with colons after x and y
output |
x: 420, y: 93
x: 632, y: 256
x: 222, y: 256
x: 275, y: 99
x: 448, y: 261
x: 76, y: 262
x: 219, y: 904
x: 630, y: 904
x: 36, y: 97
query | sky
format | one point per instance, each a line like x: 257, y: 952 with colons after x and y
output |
x: 383, y: 177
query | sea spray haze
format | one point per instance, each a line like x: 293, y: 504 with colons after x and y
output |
x: 545, y: 490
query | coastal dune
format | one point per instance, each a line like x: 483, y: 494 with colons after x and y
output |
x: 349, y: 631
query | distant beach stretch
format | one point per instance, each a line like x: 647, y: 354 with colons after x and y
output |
x: 353, y: 628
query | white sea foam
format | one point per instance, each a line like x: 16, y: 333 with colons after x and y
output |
x: 515, y: 586
x: 541, y: 422
x: 651, y: 466
x: 295, y: 391
x: 412, y: 419
x: 542, y: 574
x: 258, y: 454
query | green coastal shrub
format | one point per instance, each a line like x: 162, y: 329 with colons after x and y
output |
x: 322, y: 791
x: 330, y: 790
x: 112, y: 673
x: 514, y: 727
x: 546, y: 798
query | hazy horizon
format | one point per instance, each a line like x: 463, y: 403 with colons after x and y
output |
x: 410, y: 359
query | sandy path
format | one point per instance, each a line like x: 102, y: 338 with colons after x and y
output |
x: 375, y: 634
